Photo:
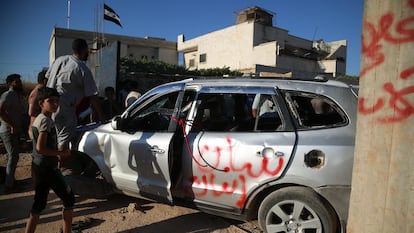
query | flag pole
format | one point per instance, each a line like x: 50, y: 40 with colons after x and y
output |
x: 103, y: 21
x: 95, y: 39
x: 101, y: 10
x: 68, y: 17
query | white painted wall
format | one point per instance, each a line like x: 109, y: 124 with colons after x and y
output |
x: 244, y: 46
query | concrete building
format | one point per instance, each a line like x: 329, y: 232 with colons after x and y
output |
x: 254, y: 45
x: 108, y: 48
x: 141, y: 48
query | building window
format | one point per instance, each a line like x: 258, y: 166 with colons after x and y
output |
x: 144, y: 57
x: 191, y: 63
x: 203, y: 57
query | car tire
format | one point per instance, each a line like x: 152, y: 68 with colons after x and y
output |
x: 295, y: 209
x: 88, y: 187
x: 84, y: 177
x: 78, y: 164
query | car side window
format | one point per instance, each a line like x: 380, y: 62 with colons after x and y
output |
x: 155, y: 116
x: 266, y: 113
x: 236, y: 112
x: 316, y: 111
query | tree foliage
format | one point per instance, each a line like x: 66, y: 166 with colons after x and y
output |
x: 353, y: 77
x: 130, y: 66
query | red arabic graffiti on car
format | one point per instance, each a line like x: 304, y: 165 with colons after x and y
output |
x: 207, y: 181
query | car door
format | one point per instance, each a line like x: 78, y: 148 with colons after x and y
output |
x: 231, y: 151
x: 140, y: 153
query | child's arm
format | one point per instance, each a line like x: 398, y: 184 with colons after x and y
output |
x: 41, y: 147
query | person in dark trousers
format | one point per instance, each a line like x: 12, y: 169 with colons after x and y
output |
x: 11, y: 114
x: 46, y: 156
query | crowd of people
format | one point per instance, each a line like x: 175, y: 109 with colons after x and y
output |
x: 65, y: 97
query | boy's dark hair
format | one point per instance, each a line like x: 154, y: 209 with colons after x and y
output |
x: 46, y: 92
x: 10, y: 78
x: 78, y: 45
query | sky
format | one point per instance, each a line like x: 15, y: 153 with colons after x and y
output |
x: 27, y: 24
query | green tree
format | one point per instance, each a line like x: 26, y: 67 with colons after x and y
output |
x: 129, y: 66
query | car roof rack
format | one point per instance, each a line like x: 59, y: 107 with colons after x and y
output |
x: 317, y: 78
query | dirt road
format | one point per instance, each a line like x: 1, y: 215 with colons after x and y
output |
x: 119, y: 213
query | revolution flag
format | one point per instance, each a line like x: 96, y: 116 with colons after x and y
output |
x: 110, y: 15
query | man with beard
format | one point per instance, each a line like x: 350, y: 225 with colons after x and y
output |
x: 11, y: 114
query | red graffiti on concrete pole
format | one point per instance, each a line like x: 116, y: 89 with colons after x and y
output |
x: 397, y: 101
x: 390, y: 31
x: 405, y: 74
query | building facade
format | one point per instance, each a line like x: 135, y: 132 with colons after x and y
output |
x: 107, y: 49
x: 133, y: 47
x: 254, y: 45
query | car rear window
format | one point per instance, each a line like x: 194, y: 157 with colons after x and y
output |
x: 315, y: 111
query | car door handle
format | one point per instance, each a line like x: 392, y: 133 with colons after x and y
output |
x: 157, y: 150
x: 270, y: 153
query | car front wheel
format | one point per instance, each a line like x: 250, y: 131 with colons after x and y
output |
x: 295, y: 210
x: 84, y: 177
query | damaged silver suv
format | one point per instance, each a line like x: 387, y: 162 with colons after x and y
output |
x: 280, y: 151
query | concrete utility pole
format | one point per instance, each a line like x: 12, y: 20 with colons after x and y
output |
x: 382, y: 196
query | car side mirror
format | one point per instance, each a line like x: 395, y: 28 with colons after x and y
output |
x: 116, y: 122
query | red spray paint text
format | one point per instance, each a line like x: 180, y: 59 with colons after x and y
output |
x: 394, y: 32
x: 245, y: 170
x: 208, y: 180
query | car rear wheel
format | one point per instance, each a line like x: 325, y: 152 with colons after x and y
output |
x: 295, y: 210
